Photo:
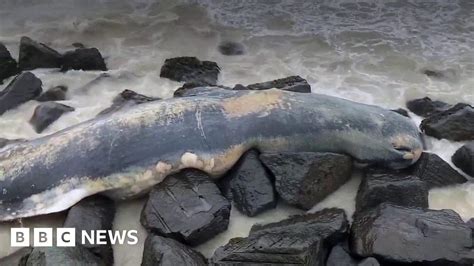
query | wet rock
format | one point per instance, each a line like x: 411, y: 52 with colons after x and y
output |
x: 35, y: 55
x: 5, y: 142
x: 464, y: 158
x: 8, y: 65
x: 231, y: 48
x: 46, y: 113
x: 401, y: 111
x: 18, y: 258
x: 470, y: 223
x: 53, y: 256
x: 83, y: 59
x: 93, y: 213
x: 78, y: 45
x: 251, y: 185
x: 449, y: 74
x: 166, y: 251
x: 398, y: 189
x: 57, y: 93
x: 456, y: 123
x: 239, y: 87
x: 292, y: 83
x: 433, y: 170
x: 194, y: 89
x: 186, y: 206
x: 23, y: 88
x: 190, y: 69
x: 299, y: 240
x: 304, y: 179
x: 429, y: 236
x: 183, y: 91
x: 126, y: 99
x: 426, y: 107
x: 339, y: 256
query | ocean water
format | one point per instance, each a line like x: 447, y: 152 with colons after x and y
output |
x: 367, y: 51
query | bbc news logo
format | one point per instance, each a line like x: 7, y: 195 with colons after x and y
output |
x: 66, y: 237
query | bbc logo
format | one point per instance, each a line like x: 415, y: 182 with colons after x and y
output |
x: 66, y: 237
x: 43, y: 237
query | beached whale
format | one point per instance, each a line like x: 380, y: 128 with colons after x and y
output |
x: 124, y: 154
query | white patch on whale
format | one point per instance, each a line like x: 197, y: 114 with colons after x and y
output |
x: 191, y: 160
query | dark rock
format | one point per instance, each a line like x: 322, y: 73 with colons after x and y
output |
x: 433, y: 170
x: 190, y: 90
x: 18, y: 258
x: 292, y: 83
x: 339, y: 256
x: 93, y: 213
x: 78, y: 45
x: 401, y: 111
x: 190, y: 69
x: 299, y: 240
x: 53, y: 256
x: 46, y: 113
x: 166, y: 251
x: 403, y: 235
x: 369, y: 262
x: 5, y: 142
x: 402, y: 190
x: 183, y: 90
x: 83, y: 59
x: 37, y: 55
x: 231, y: 48
x: 23, y: 88
x: 470, y: 223
x: 440, y: 74
x: 187, y: 206
x: 8, y: 66
x: 456, y: 123
x: 426, y: 107
x: 57, y: 93
x: 304, y: 179
x: 464, y: 158
x: 126, y: 99
x: 239, y: 87
x: 251, y: 185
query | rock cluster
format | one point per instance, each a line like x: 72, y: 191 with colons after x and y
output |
x: 300, y: 240
x: 35, y: 55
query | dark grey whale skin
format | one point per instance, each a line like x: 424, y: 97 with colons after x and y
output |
x: 104, y: 154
